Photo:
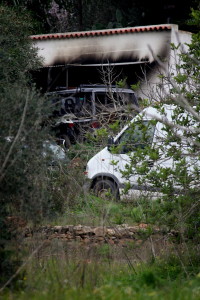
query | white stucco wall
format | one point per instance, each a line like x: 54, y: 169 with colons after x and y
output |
x: 134, y: 46
x: 130, y: 47
x: 149, y: 87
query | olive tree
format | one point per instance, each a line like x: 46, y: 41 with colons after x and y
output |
x: 23, y: 171
x: 177, y: 206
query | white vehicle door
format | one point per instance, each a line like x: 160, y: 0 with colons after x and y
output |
x: 164, y: 160
x: 137, y: 136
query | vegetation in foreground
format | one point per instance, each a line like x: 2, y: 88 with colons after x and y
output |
x: 30, y: 190
x: 98, y: 277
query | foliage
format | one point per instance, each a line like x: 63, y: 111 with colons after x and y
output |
x: 174, y: 170
x: 30, y: 188
x: 36, y: 8
x: 76, y: 15
x: 90, y: 276
x: 23, y: 169
x: 57, y: 18
x: 15, y: 45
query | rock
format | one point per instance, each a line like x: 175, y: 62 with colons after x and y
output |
x: 69, y: 236
x: 122, y: 226
x: 120, y: 234
x: 143, y: 225
x: 65, y: 229
x: 110, y: 232
x: 100, y: 239
x: 57, y: 228
x: 83, y: 230
x: 111, y: 242
x: 100, y: 231
x: 134, y: 229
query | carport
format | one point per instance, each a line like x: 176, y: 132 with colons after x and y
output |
x: 74, y: 58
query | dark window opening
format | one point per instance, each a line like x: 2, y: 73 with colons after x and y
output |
x: 137, y: 136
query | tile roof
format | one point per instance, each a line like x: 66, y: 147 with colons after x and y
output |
x: 104, y: 32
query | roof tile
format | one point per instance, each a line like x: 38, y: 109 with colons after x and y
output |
x: 101, y: 32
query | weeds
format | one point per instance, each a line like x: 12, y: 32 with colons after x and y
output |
x: 90, y: 276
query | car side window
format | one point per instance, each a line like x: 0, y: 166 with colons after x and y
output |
x: 138, y: 136
x: 103, y: 101
x: 122, y: 98
x: 87, y: 106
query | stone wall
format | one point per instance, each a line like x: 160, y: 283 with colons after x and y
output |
x: 89, y: 234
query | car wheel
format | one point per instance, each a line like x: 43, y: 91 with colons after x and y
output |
x: 106, y: 189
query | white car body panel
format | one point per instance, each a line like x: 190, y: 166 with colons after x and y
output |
x: 102, y: 163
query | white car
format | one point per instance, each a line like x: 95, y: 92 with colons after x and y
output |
x: 104, y: 170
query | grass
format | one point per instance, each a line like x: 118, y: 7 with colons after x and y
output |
x: 93, y: 211
x: 58, y: 278
x: 70, y: 271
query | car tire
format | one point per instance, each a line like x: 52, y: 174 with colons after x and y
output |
x: 106, y: 189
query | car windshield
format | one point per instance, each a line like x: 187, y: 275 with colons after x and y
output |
x: 138, y: 135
